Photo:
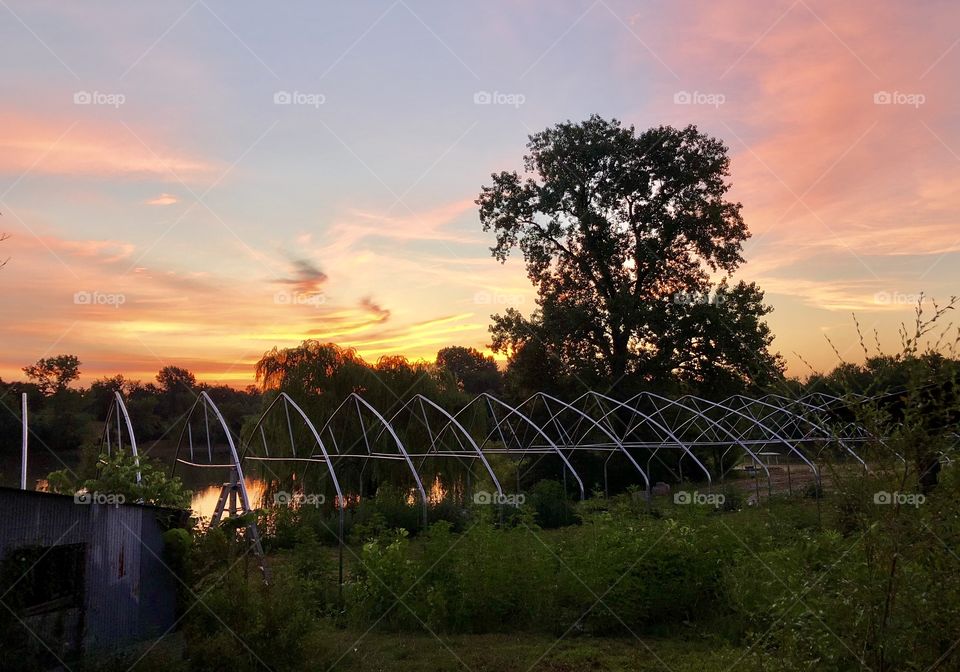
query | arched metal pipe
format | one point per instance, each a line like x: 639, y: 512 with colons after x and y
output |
x: 797, y: 418
x: 341, y: 501
x: 617, y: 442
x: 662, y: 427
x: 121, y: 410
x: 204, y: 399
x: 451, y: 421
x: 698, y: 414
x: 491, y: 400
x: 357, y: 399
x: 776, y: 435
x: 238, y: 482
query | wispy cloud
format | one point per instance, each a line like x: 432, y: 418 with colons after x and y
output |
x: 52, y: 146
x: 380, y: 313
x: 163, y: 199
x: 357, y: 228
x: 306, y: 276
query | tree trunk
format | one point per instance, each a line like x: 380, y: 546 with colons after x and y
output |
x: 618, y: 360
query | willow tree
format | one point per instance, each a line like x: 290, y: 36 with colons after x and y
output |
x: 629, y: 238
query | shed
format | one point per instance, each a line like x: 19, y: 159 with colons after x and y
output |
x: 85, y: 574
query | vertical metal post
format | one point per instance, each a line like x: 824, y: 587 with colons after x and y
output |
x: 234, y: 486
x: 340, y: 547
x: 756, y: 480
x: 206, y: 421
x: 286, y: 409
x: 26, y: 434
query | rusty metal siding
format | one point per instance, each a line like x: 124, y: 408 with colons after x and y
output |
x: 129, y: 594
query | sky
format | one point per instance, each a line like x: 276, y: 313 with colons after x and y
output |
x: 194, y: 183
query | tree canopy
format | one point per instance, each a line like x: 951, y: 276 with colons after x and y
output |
x: 629, y: 238
x: 54, y: 374
x: 473, y: 371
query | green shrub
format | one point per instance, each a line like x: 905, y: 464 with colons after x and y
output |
x: 117, y: 475
x: 243, y: 624
x: 612, y: 575
x: 733, y: 499
x: 551, y: 505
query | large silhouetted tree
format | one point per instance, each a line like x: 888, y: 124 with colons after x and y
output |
x: 624, y: 235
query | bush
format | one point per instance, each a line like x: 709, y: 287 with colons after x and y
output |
x: 388, y: 510
x: 651, y: 576
x: 243, y: 624
x: 551, y: 505
x: 733, y: 499
x: 117, y: 475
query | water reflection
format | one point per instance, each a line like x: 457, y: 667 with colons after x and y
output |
x: 204, y: 501
x: 205, y: 498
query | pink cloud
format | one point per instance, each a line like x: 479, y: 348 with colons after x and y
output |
x: 400, y: 224
x: 163, y: 199
x: 30, y: 144
x: 820, y: 167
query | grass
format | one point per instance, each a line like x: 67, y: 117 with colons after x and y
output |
x: 522, y: 652
x: 332, y: 649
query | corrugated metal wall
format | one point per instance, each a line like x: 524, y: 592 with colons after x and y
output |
x: 129, y: 593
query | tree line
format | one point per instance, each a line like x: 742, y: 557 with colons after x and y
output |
x: 65, y: 416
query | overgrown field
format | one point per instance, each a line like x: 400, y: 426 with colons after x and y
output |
x: 854, y: 583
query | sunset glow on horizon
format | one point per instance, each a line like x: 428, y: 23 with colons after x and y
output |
x: 193, y: 184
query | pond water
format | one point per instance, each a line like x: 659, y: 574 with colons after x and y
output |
x: 204, y: 501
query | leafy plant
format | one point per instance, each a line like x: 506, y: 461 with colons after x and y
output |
x: 136, y: 480
x: 551, y: 505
